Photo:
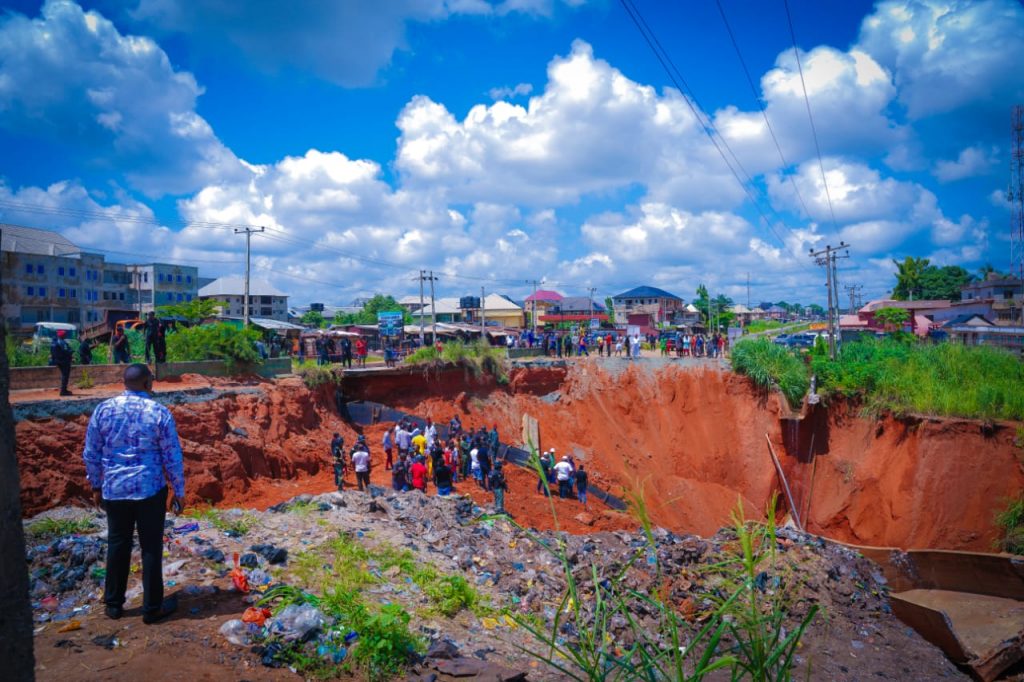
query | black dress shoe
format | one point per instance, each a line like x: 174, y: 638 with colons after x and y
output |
x: 167, y: 608
x: 114, y: 612
x: 66, y: 393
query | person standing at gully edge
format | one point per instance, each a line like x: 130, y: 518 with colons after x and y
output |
x: 131, y: 451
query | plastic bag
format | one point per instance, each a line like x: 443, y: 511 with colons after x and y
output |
x: 236, y: 632
x: 238, y: 577
x: 256, y: 615
x: 297, y: 622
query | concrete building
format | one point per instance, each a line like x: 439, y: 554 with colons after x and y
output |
x: 498, y: 310
x: 159, y: 284
x: 658, y: 304
x: 47, y: 278
x: 1004, y: 297
x: 575, y: 309
x: 264, y: 300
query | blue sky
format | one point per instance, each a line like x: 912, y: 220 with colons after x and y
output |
x: 503, y: 142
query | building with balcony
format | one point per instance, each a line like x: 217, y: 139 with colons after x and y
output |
x: 264, y: 299
x: 658, y: 304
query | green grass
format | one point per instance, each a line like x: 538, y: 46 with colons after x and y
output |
x: 234, y: 522
x: 314, y: 375
x: 479, y: 356
x: 339, y: 571
x: 769, y: 365
x: 908, y: 376
x: 59, y: 527
x: 1011, y: 521
x: 763, y: 325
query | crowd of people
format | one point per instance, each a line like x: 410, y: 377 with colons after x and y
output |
x: 612, y: 344
x: 419, y: 457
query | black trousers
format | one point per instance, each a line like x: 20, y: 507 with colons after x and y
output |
x: 65, y: 374
x: 150, y: 344
x: 363, y: 479
x: 123, y: 517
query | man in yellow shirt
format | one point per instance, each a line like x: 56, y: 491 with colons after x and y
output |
x: 419, y: 442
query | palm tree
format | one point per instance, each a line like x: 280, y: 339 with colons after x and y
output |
x: 909, y: 282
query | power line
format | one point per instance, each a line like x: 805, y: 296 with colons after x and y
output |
x: 810, y: 117
x: 760, y: 104
x: 827, y: 257
x: 706, y: 124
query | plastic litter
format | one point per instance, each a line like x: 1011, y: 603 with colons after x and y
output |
x: 213, y: 554
x: 274, y: 555
x: 256, y: 615
x: 185, y: 528
x: 238, y: 577
x: 296, y: 622
x: 237, y: 632
x: 250, y: 560
x: 258, y: 578
x: 71, y: 626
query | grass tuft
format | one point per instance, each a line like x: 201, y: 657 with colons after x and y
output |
x: 909, y: 376
x: 49, y: 527
x: 1011, y: 521
x: 235, y: 521
x: 769, y: 365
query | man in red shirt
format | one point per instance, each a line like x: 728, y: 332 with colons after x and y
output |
x: 418, y: 471
x: 360, y: 352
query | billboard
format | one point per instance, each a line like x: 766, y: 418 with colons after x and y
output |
x: 390, y: 323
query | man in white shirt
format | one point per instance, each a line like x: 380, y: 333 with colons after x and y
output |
x: 431, y: 433
x: 361, y: 463
x: 564, y: 476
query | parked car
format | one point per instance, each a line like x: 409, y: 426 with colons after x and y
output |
x: 781, y: 339
x: 803, y: 340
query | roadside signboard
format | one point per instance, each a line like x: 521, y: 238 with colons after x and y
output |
x: 390, y: 324
x: 595, y: 323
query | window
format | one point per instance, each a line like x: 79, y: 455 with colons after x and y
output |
x: 188, y: 297
x: 42, y: 291
x: 180, y: 298
x: 188, y: 279
x: 145, y: 277
x: 160, y: 277
x: 60, y: 271
x: 28, y: 268
x: 62, y: 293
x: 40, y: 270
x: 179, y: 279
x: 71, y: 271
x: 121, y: 295
x: 30, y: 291
x: 74, y: 293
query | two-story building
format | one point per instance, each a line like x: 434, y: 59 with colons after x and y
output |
x: 265, y: 300
x: 658, y: 304
x: 160, y: 284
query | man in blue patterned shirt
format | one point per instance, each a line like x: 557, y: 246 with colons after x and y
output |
x: 131, y: 445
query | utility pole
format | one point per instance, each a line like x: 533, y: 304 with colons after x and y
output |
x: 748, y: 291
x: 421, y: 308
x: 827, y: 257
x: 248, y: 256
x: 853, y: 291
x: 1015, y: 197
x: 483, y: 315
x: 433, y: 309
x: 591, y: 290
x: 535, y: 321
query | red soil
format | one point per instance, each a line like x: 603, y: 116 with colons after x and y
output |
x: 691, y: 440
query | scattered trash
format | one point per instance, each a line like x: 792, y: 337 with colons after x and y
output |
x: 297, y: 622
x: 108, y: 642
x: 239, y: 578
x: 213, y: 554
x: 256, y: 615
x: 186, y: 528
x: 249, y: 560
x: 237, y: 632
x: 71, y: 626
x: 273, y: 555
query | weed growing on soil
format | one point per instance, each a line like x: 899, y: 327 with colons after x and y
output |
x: 745, y: 633
x: 60, y: 527
x: 385, y: 643
x: 946, y: 379
x: 315, y: 376
x: 85, y: 380
x: 1011, y: 521
x: 238, y: 523
x: 340, y: 569
x: 480, y: 357
x: 770, y: 365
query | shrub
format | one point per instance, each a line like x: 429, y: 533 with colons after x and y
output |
x: 219, y: 341
x: 1011, y: 521
x: 770, y: 365
x: 946, y: 379
x: 479, y: 356
x: 315, y: 376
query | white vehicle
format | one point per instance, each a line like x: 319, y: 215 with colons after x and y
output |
x: 46, y: 332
